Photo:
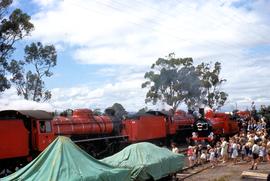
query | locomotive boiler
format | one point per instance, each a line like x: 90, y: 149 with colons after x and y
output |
x: 82, y: 122
x: 99, y: 135
x: 223, y: 123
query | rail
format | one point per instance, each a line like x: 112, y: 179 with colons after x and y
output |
x: 191, y: 171
x: 97, y: 139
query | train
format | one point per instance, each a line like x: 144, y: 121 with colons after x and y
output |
x: 212, y: 125
x: 24, y: 134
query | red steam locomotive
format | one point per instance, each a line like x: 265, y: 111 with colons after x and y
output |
x: 24, y: 134
x: 214, y: 124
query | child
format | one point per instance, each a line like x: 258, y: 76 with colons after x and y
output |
x: 255, y: 155
x: 248, y: 151
x: 230, y: 149
x: 212, y: 157
x: 243, y: 152
x: 224, y: 150
x: 218, y: 150
x: 190, y: 153
x: 234, y: 151
x: 194, y: 156
x: 203, y: 157
x: 262, y: 152
x: 174, y: 148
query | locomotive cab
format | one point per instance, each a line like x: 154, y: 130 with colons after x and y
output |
x: 23, y: 134
x: 42, y: 134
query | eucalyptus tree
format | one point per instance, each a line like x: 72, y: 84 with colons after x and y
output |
x: 38, y: 60
x: 14, y: 26
x: 213, y: 96
x: 173, y: 81
x: 177, y: 80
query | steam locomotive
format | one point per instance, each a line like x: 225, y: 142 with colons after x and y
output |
x: 24, y: 134
x: 211, y: 125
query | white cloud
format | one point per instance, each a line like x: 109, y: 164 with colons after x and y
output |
x: 136, y: 33
x: 125, y: 92
x: 10, y: 101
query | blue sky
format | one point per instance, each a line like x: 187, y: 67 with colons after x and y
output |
x: 105, y: 47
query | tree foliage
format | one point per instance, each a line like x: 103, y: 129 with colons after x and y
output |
x: 176, y: 80
x: 173, y: 81
x: 211, y: 81
x: 142, y: 110
x: 97, y: 112
x: 39, y: 59
x: 14, y: 26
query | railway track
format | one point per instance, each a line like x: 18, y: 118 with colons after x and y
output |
x: 191, y: 171
x: 183, y: 151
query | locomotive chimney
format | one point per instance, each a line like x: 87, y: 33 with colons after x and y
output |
x: 201, y: 111
x: 190, y: 111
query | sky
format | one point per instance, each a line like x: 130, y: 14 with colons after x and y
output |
x: 105, y: 47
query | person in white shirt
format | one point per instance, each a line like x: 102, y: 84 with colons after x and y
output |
x: 234, y: 151
x: 212, y: 157
x: 203, y: 157
x: 255, y: 155
x: 262, y: 152
x: 224, y: 149
x: 174, y: 148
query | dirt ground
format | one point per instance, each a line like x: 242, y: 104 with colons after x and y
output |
x: 228, y: 172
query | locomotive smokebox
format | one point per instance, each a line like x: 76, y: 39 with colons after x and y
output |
x: 201, y: 111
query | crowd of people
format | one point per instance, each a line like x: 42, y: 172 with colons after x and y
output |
x: 251, y: 144
x: 252, y: 147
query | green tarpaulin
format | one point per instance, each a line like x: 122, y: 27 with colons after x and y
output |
x: 63, y: 161
x: 147, y: 161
